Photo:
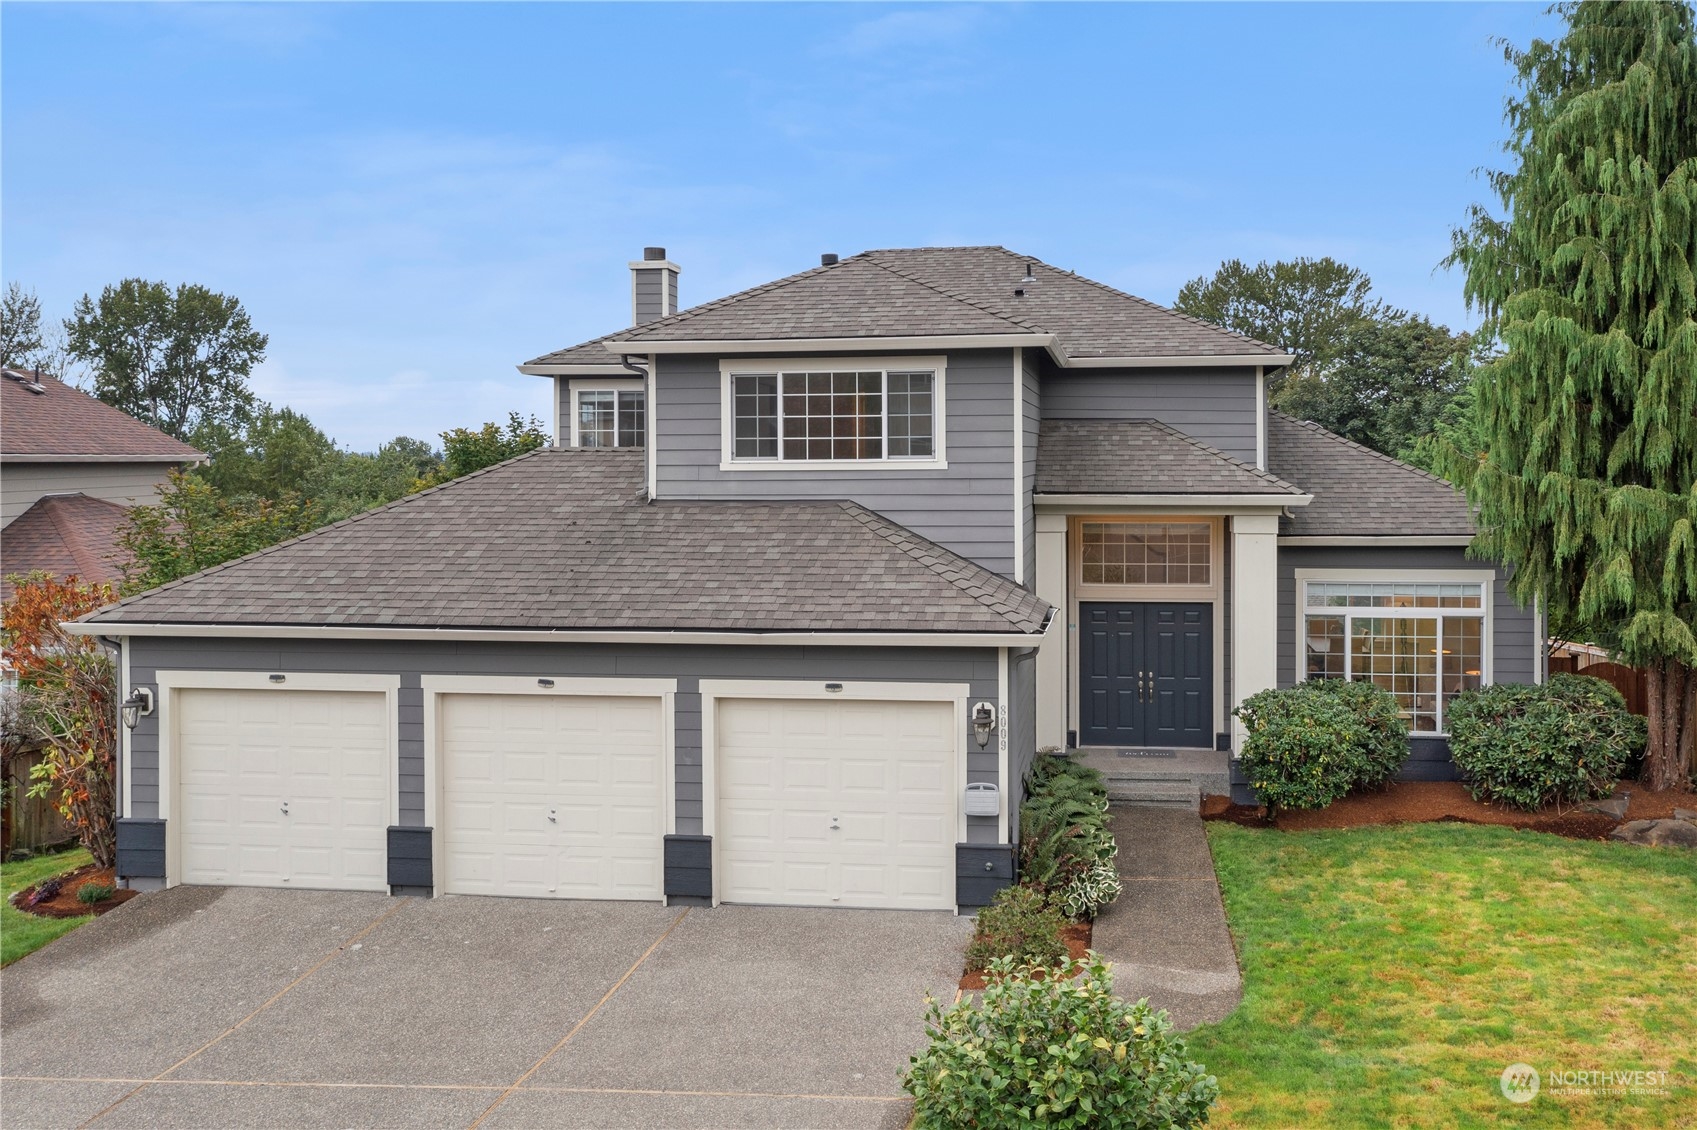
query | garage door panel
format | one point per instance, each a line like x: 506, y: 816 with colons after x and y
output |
x: 593, y: 763
x: 243, y: 754
x: 884, y: 770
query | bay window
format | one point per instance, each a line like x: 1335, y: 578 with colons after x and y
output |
x: 1424, y: 642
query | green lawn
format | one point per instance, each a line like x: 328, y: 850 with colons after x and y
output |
x: 1390, y: 974
x: 22, y: 933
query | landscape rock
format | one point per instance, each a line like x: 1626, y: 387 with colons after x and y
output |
x: 1657, y: 833
x: 1611, y: 806
x: 1685, y: 814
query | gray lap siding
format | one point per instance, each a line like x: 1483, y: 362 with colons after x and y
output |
x: 1219, y: 407
x: 967, y: 507
x: 688, y: 665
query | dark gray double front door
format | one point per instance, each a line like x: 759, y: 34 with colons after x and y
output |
x: 1146, y: 674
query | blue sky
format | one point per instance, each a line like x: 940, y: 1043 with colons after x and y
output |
x: 411, y: 199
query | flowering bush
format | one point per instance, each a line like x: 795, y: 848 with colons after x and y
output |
x: 1054, y: 1047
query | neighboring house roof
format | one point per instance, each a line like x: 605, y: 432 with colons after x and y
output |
x: 564, y: 539
x: 1141, y: 457
x: 1359, y: 492
x: 65, y: 534
x: 43, y: 419
x: 938, y: 292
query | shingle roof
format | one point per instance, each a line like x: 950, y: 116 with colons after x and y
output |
x: 563, y: 538
x: 935, y: 291
x: 61, y: 420
x: 65, y: 534
x: 1357, y: 491
x: 1140, y: 457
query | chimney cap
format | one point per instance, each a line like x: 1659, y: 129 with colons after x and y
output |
x: 654, y: 254
x: 827, y: 260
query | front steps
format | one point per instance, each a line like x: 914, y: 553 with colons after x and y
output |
x: 1177, y: 782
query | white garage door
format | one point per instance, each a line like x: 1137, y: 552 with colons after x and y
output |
x: 284, y: 788
x: 836, y: 803
x: 553, y: 796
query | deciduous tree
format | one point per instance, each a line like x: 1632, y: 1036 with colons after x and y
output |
x: 195, y: 526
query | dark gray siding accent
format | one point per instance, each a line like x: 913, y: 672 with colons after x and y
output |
x: 689, y: 867
x: 141, y: 849
x: 410, y: 729
x: 967, y: 508
x: 1032, y: 417
x: 1514, y: 653
x: 1216, y: 406
x: 648, y: 303
x: 672, y: 291
x: 980, y: 872
x: 976, y: 667
x: 1022, y: 741
x: 409, y: 857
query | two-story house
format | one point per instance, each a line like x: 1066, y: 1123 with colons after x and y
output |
x: 71, y: 467
x: 812, y: 573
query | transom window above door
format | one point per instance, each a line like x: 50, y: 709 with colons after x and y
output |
x: 1146, y: 553
x: 835, y: 415
x: 607, y: 417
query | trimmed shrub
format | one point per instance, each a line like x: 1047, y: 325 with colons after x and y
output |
x: 1019, y: 923
x: 1055, y: 1048
x: 1310, y: 744
x: 90, y: 893
x: 1527, y: 746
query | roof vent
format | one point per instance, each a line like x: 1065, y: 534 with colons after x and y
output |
x: 827, y: 260
x: 1019, y: 292
x: 1029, y: 277
x: 30, y: 381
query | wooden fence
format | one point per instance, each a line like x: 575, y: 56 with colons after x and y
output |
x: 29, y: 822
x: 1629, y: 681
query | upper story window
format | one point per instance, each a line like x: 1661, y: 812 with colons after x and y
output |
x: 609, y: 417
x: 834, y: 412
x: 1146, y: 553
x: 1423, y: 641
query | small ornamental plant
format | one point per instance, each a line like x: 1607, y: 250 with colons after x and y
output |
x: 90, y: 893
x: 1527, y: 746
x: 1054, y: 1047
x: 1019, y: 923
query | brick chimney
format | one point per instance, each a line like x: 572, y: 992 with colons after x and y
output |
x: 653, y: 286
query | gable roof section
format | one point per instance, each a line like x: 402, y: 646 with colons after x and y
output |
x: 65, y: 534
x: 62, y: 422
x: 938, y: 292
x: 1359, y: 492
x: 1142, y: 457
x: 562, y: 539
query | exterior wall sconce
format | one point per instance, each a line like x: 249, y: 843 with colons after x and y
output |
x: 983, y: 722
x: 133, y: 708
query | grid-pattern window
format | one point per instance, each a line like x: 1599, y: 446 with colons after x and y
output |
x: 864, y: 414
x: 1146, y: 553
x: 1425, y: 660
x: 611, y: 418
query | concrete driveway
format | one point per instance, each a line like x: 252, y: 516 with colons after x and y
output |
x: 205, y: 1007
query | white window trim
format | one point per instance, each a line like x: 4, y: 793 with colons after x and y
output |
x: 1151, y: 592
x: 169, y: 682
x: 435, y: 686
x: 761, y: 366
x: 712, y: 690
x: 1485, y: 578
x: 579, y: 385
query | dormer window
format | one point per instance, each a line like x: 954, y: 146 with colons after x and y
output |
x: 834, y: 412
x: 610, y: 414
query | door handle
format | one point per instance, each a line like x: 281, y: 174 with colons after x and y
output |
x: 553, y: 818
x: 285, y: 808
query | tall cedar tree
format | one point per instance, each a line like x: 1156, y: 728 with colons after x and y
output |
x: 1585, y: 482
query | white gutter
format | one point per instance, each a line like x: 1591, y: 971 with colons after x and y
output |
x: 1188, y: 361
x: 831, y: 344
x: 1201, y: 502
x: 187, y: 457
x: 562, y: 370
x: 495, y: 635
x: 1395, y: 541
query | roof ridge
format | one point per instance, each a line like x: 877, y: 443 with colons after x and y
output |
x: 907, y: 541
x: 326, y: 529
x: 1227, y: 456
x: 1347, y: 442
x: 982, y: 307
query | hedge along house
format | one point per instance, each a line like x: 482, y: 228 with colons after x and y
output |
x: 813, y: 572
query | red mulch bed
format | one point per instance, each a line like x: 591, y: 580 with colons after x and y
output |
x: 1076, y: 935
x: 1418, y: 802
x: 65, y: 904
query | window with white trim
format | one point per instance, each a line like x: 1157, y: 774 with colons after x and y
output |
x: 610, y: 417
x: 834, y: 415
x: 1422, y: 641
x: 1146, y: 553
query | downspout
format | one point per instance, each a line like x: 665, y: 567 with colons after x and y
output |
x: 650, y: 475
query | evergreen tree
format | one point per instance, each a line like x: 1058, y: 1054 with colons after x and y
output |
x: 1587, y: 480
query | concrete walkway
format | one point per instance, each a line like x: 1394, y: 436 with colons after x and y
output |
x: 1166, y: 934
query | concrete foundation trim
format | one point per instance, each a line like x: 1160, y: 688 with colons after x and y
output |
x: 980, y: 871
x: 141, y: 849
x: 409, y: 859
x: 689, y: 867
